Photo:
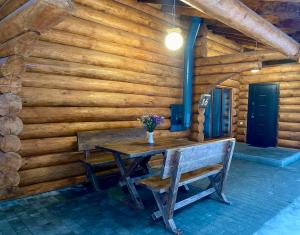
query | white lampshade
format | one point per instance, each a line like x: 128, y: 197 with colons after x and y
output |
x: 174, y: 39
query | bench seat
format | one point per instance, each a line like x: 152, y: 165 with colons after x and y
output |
x: 155, y: 182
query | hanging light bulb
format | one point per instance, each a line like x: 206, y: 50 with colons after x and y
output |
x: 257, y: 69
x: 174, y: 39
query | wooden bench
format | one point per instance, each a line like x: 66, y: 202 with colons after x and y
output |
x: 186, y: 165
x: 89, y: 141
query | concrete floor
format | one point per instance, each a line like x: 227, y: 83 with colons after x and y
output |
x: 261, y: 195
x: 273, y: 156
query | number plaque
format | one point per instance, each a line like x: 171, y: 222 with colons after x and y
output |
x: 204, y: 100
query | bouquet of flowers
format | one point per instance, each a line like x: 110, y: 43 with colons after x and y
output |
x: 150, y: 122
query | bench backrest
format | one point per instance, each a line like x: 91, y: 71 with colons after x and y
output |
x: 88, y: 140
x: 197, y: 156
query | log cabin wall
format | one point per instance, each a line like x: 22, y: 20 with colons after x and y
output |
x: 207, y: 77
x: 288, y: 78
x: 102, y: 67
x: 20, y: 26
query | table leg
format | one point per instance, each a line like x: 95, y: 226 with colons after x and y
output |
x: 129, y: 182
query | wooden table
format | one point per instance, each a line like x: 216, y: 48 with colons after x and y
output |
x: 140, y: 152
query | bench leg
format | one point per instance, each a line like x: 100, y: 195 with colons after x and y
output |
x: 168, y: 220
x: 217, y: 182
x: 92, y: 177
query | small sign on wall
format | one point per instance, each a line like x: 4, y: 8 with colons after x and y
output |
x: 204, y: 100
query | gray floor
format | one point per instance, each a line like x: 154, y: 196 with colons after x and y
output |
x: 259, y: 194
x: 273, y: 156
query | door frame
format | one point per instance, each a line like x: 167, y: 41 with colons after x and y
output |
x: 276, y: 109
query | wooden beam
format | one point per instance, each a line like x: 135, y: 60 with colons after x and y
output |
x: 237, y: 15
x: 187, y: 11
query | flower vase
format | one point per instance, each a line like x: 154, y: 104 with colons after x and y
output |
x: 150, y: 137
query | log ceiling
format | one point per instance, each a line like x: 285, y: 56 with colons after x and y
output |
x: 285, y: 14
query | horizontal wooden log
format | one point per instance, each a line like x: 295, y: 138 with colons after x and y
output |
x: 10, y: 104
x: 243, y: 101
x: 242, y: 131
x: 213, y: 53
x: 289, y: 135
x: 10, y: 125
x: 20, y: 45
x: 33, y: 16
x: 222, y: 40
x: 289, y: 126
x: 201, y: 89
x: 242, y: 115
x: 92, y: 57
x: 155, y: 12
x: 9, y: 179
x: 63, y: 158
x: 214, y: 79
x: 44, y: 174
x: 71, y: 39
x: 230, y: 83
x: 10, y: 161
x: 32, y: 131
x: 243, y: 95
x: 228, y: 68
x: 57, y: 97
x: 289, y: 108
x: 289, y: 117
x: 71, y: 157
x: 11, y: 66
x: 36, y: 115
x: 243, y: 107
x: 289, y: 85
x: 284, y: 68
x: 288, y: 143
x: 34, y: 147
x: 126, y: 12
x: 195, y: 136
x: 272, y: 77
x: 90, y: 71
x: 41, y: 187
x: 264, y: 55
x: 290, y: 101
x: 10, y: 143
x: 244, y: 87
x: 85, y: 84
x: 212, y: 45
x: 88, y: 13
x: 109, y: 34
x: 289, y: 93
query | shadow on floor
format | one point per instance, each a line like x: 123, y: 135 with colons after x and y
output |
x: 258, y: 193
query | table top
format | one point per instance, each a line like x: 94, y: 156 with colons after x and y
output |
x: 140, y: 148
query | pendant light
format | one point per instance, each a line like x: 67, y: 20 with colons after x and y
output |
x: 174, y: 38
x: 258, y: 69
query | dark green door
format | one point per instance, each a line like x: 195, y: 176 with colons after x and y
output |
x: 218, y: 114
x: 262, y: 115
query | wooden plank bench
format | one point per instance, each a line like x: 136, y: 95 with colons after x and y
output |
x: 88, y: 141
x: 186, y: 165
